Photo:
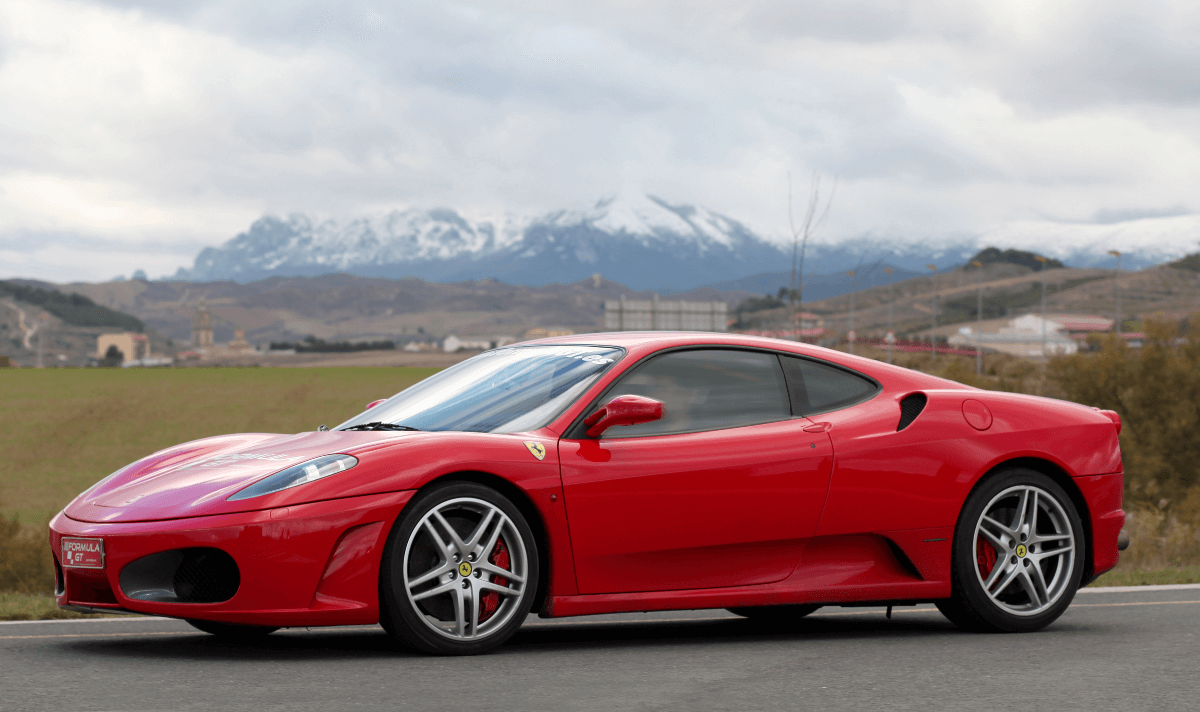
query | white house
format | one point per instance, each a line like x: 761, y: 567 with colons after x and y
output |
x: 1022, y: 337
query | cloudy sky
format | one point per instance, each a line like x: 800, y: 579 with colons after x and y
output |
x: 132, y: 134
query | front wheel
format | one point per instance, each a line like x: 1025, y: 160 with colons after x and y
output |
x: 459, y: 572
x: 1017, y: 556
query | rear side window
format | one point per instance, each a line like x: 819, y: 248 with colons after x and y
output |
x: 706, y: 389
x: 816, y: 387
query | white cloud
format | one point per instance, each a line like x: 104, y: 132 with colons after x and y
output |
x: 153, y: 128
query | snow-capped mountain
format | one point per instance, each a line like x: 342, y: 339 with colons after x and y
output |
x: 1143, y: 243
x: 643, y: 242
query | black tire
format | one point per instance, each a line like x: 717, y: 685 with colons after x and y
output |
x: 470, y: 614
x: 1042, y: 567
x: 775, y: 614
x: 232, y: 631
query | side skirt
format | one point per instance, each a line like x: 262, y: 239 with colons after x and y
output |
x: 853, y: 569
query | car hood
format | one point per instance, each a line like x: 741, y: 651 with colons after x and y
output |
x: 196, y: 478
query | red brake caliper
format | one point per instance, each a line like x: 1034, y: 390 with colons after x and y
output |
x: 490, y: 601
x: 985, y: 556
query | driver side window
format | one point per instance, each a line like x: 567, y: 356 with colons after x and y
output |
x: 706, y: 389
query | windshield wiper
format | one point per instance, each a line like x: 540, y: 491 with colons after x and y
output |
x: 377, y: 425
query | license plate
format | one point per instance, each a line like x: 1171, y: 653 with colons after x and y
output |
x: 82, y: 553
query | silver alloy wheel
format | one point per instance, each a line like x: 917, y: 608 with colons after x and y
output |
x: 438, y: 553
x: 1030, y: 534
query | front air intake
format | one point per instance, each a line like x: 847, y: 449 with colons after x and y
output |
x: 910, y: 408
x: 197, y: 575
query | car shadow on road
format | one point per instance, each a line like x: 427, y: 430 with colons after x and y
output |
x: 562, y: 635
x: 547, y: 636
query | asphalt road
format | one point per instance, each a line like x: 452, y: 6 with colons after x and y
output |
x: 1111, y: 651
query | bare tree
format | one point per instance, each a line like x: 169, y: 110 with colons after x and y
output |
x: 814, y: 217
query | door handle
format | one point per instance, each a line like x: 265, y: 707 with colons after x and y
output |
x: 818, y: 427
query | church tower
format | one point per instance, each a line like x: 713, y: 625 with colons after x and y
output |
x: 202, y: 327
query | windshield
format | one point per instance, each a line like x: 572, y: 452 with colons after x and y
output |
x: 508, y: 390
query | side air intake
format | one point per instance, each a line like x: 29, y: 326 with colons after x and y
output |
x: 910, y: 408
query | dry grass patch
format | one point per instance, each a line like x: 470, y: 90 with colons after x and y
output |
x: 1159, y: 542
x: 34, y: 607
x: 26, y: 564
x: 1163, y: 549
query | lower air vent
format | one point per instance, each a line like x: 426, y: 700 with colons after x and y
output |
x: 910, y: 408
x: 199, y: 575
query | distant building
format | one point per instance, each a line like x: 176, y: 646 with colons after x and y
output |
x: 1024, y: 336
x: 419, y: 346
x: 202, y: 327
x: 239, y: 345
x: 133, y: 347
x: 656, y: 315
x: 1084, y: 324
x: 809, y: 322
x: 452, y: 344
x: 541, y: 332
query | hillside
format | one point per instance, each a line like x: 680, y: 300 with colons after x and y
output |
x: 1009, y: 291
x: 349, y: 307
x: 62, y: 325
x: 343, y: 306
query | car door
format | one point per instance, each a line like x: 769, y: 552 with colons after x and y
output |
x: 720, y: 492
x: 886, y: 477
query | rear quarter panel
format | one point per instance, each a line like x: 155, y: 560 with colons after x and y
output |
x: 920, y: 477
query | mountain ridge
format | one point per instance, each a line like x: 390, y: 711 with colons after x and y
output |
x: 644, y: 241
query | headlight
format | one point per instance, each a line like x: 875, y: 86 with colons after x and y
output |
x: 297, y: 475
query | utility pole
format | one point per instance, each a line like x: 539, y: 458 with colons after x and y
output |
x: 1041, y: 259
x: 850, y: 335
x: 978, y: 318
x: 1117, y: 288
x: 890, y: 338
x: 933, y: 334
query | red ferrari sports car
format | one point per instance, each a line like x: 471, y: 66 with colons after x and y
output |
x: 608, y: 473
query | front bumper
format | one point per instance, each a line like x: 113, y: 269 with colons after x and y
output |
x: 304, y: 565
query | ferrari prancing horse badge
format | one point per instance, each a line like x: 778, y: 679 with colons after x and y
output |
x: 538, y: 450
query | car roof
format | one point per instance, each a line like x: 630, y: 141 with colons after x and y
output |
x: 640, y: 343
x: 667, y: 339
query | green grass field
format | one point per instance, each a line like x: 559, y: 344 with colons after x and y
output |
x: 63, y: 429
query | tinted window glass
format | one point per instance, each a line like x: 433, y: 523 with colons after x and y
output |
x: 706, y: 390
x: 816, y: 387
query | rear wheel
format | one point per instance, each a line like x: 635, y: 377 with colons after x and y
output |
x: 1017, y: 556
x: 232, y: 631
x: 459, y: 572
x: 774, y: 614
